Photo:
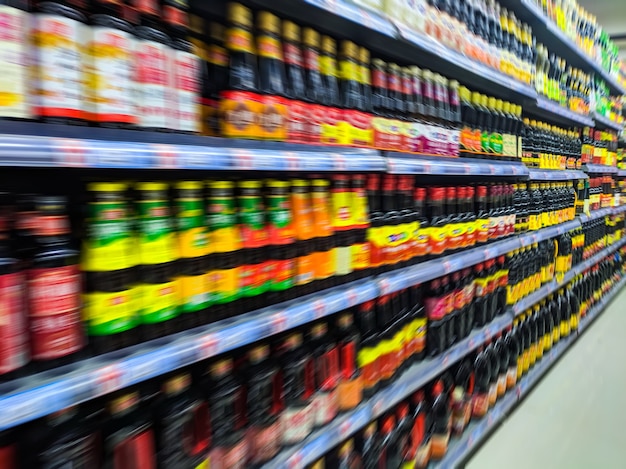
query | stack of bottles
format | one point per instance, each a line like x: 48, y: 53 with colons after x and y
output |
x: 491, y: 128
x: 599, y: 147
x: 583, y: 28
x: 420, y: 428
x: 554, y: 79
x: 102, y: 63
x: 481, y: 30
x: 547, y: 146
x: 529, y: 268
x: 541, y: 205
x: 607, y: 105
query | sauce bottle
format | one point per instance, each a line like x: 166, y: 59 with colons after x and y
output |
x: 271, y: 77
x: 18, y: 103
x: 441, y: 421
x: 56, y: 334
x: 297, y: 418
x: 181, y: 426
x: 367, y: 356
x: 435, y: 312
x: 157, y: 248
x: 58, y: 81
x: 303, y: 230
x: 225, y: 247
x: 63, y: 438
x: 253, y: 278
x: 369, y: 446
x: 329, y: 115
x: 360, y: 249
x: 482, y: 376
x: 14, y: 329
x: 108, y: 310
x: 323, y: 260
x: 241, y: 106
x: 298, y: 130
x: 350, y: 387
x: 217, y: 76
x: 264, y: 432
x: 342, y: 224
x: 326, y: 361
x: 282, y: 239
x: 438, y: 230
x: 128, y: 436
x: 225, y: 400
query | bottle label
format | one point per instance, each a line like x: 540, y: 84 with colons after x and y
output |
x: 328, y: 119
x: 280, y: 219
x: 269, y: 47
x: 222, y: 221
x: 328, y: 66
x: 192, y: 236
x: 110, y: 86
x: 138, y: 446
x: 59, y: 82
x: 185, y: 86
x: 342, y: 214
x: 360, y: 256
x: 496, y: 143
x: 239, y: 40
x: 311, y: 60
x: 367, y: 359
x: 13, y: 328
x: 241, y: 114
x: 263, y: 442
x: 343, y: 260
x: 438, y: 239
x: 326, y: 406
x: 14, y: 57
x: 274, y: 117
x: 302, y: 215
x: 153, y: 93
x: 324, y: 264
x: 54, y: 312
x: 419, y: 334
x: 293, y: 54
x: 283, y: 274
x: 297, y: 423
x: 250, y: 282
x: 159, y: 302
x: 348, y: 70
x: 252, y: 221
x: 108, y: 243
x: 435, y: 308
x: 157, y: 239
x: 225, y: 285
x: 349, y: 393
x: 194, y: 293
x: 305, y: 270
x: 109, y: 313
x: 298, y: 125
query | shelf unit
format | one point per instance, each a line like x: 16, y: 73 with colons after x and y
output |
x: 603, y: 122
x: 476, y: 433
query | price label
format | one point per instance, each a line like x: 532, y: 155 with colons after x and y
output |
x: 339, y: 162
x: 166, y: 156
x: 352, y: 297
x: 278, y: 322
x: 426, y: 167
x: 447, y: 267
x: 385, y: 286
x: 208, y: 346
x: 70, y: 152
x: 446, y: 360
x: 108, y: 379
x: 467, y: 169
x: 487, y: 334
x: 295, y: 461
x: 319, y: 309
x: 293, y: 160
x: 241, y: 159
x: 345, y: 429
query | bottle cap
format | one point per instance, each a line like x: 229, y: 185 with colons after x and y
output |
x: 239, y: 15
x: 310, y: 37
x: 349, y: 50
x: 268, y: 22
x: 291, y: 31
x: 328, y: 45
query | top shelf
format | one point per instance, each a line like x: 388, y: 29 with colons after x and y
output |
x: 558, y: 42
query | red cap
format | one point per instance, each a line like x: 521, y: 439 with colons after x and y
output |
x: 403, y: 410
x: 451, y: 192
x: 469, y: 191
x: 436, y: 192
x: 419, y: 193
x: 481, y: 191
x: 437, y: 388
x: 388, y: 424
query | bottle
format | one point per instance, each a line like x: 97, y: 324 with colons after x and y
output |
x: 57, y: 81
x: 482, y: 376
x: 350, y: 387
x: 64, y: 437
x: 181, y: 425
x: 298, y: 377
x: 264, y: 433
x: 441, y: 421
x: 54, y: 284
x: 271, y: 77
x: 109, y: 311
x: 225, y: 400
x: 328, y: 115
x: 367, y: 356
x: 326, y: 358
x: 14, y: 330
x: 240, y: 105
x: 297, y: 126
x: 128, y: 434
x: 156, y: 241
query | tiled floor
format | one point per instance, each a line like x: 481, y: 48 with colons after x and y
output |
x: 576, y: 416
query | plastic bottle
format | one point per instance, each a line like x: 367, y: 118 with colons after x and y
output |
x: 298, y: 129
x: 441, y: 422
x: 350, y: 387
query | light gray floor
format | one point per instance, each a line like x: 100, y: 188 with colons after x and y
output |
x: 575, y: 416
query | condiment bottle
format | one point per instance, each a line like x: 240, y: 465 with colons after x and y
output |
x: 327, y: 373
x: 241, y: 106
x: 441, y: 421
x: 350, y: 387
x: 54, y: 286
x: 298, y: 127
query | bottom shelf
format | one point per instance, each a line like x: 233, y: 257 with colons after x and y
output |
x: 476, y: 433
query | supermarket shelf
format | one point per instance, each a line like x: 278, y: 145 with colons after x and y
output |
x: 555, y: 175
x: 606, y: 123
x: 620, y: 209
x: 621, y: 173
x: 549, y: 109
x: 558, y: 42
x: 477, y: 432
x: 599, y: 169
x: 527, y: 239
x: 41, y: 394
x: 596, y: 214
x: 38, y: 395
x: 204, y: 153
x: 410, y: 381
x: 466, y: 70
x: 410, y: 163
x: 556, y: 284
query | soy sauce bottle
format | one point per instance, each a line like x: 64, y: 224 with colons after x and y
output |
x: 314, y: 86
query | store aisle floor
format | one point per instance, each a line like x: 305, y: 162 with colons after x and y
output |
x: 574, y: 418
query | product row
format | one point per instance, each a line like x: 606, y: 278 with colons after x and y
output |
x: 241, y: 409
x: 420, y: 429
